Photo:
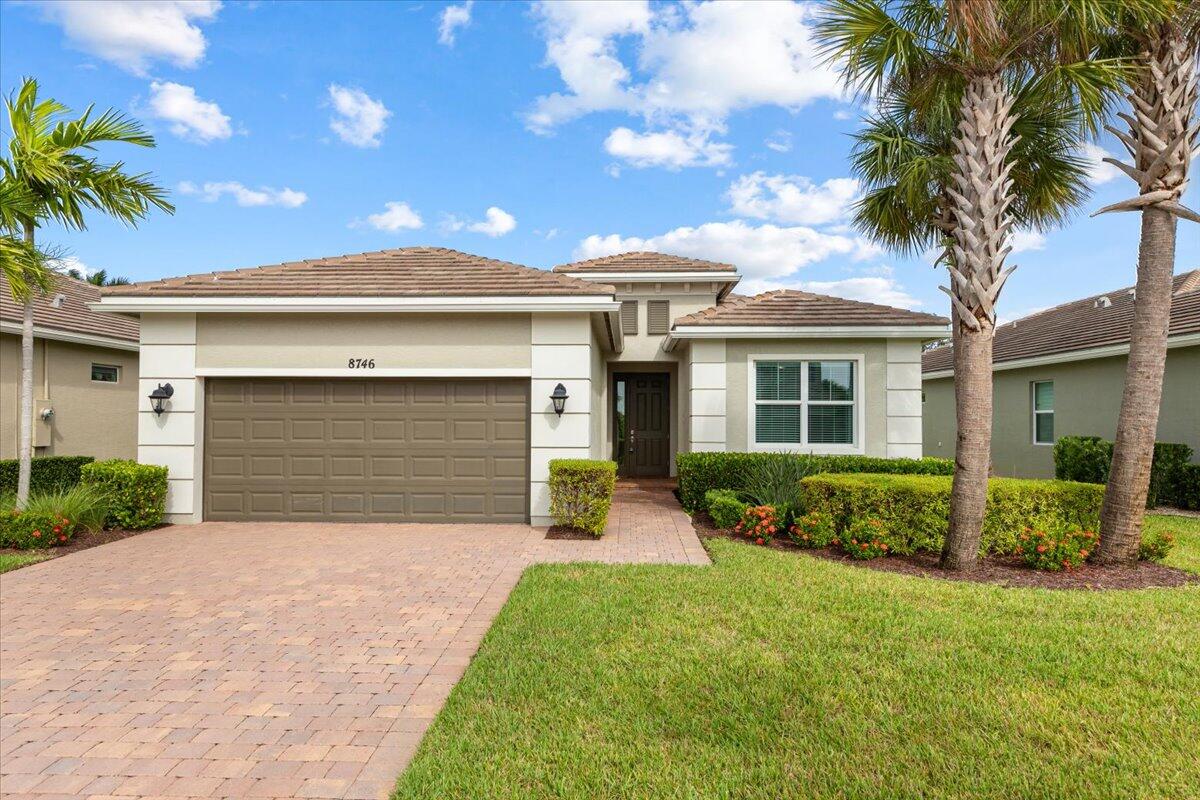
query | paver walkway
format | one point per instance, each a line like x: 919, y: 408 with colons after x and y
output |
x: 265, y: 660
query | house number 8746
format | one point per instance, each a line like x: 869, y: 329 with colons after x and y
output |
x: 361, y: 363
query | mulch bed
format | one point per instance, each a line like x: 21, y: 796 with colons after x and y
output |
x: 82, y: 541
x: 1007, y: 571
x: 563, y: 532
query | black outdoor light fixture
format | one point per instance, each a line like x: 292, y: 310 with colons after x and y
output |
x: 559, y: 398
x: 160, y: 396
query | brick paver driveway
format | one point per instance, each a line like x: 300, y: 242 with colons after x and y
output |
x: 238, y: 660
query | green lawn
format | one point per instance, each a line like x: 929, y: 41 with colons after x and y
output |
x: 775, y: 675
x: 13, y: 560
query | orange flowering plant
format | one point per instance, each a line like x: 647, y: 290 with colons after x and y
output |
x: 1054, y: 550
x: 759, y: 524
x: 26, y: 531
x: 866, y: 538
x: 814, y: 529
x: 1156, y: 545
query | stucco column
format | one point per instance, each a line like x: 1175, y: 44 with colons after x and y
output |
x: 561, y: 353
x: 706, y: 395
x: 903, y: 398
x: 175, y: 438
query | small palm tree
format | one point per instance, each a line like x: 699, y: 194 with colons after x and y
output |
x: 25, y: 268
x: 1163, y: 131
x: 98, y: 278
x: 50, y: 164
x: 960, y: 67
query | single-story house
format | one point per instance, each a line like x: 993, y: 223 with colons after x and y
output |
x: 416, y: 384
x: 85, y: 375
x: 1061, y: 372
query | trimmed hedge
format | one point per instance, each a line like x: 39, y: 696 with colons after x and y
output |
x: 1187, y: 487
x: 137, y: 493
x: 1087, y: 459
x: 46, y: 473
x: 915, y: 509
x: 581, y: 492
x: 724, y: 507
x: 699, y: 472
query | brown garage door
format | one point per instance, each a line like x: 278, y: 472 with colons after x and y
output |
x: 366, y: 450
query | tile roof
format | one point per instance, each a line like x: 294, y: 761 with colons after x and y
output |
x: 796, y: 308
x: 645, y: 262
x: 1080, y: 325
x: 73, y: 315
x: 402, y: 272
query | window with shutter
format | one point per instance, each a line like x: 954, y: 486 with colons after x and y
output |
x: 805, y: 402
x: 629, y: 317
x: 1043, y: 412
x: 658, y: 315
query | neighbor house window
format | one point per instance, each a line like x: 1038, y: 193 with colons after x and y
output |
x: 1043, y: 412
x: 802, y: 403
x: 102, y: 373
x: 629, y: 315
x: 658, y: 316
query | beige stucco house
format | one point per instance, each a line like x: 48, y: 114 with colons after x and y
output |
x: 416, y: 384
x: 85, y: 379
x: 1061, y: 372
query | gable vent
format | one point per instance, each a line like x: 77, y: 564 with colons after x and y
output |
x: 58, y: 300
x: 1103, y: 302
x: 658, y: 313
x: 629, y: 317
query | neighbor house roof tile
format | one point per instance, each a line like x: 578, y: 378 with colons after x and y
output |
x: 645, y: 262
x: 789, y: 307
x: 1080, y: 325
x: 402, y: 272
x: 73, y: 315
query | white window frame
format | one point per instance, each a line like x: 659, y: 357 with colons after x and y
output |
x: 1033, y: 413
x: 857, y: 447
x: 94, y: 364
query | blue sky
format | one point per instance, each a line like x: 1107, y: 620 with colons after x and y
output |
x: 536, y: 134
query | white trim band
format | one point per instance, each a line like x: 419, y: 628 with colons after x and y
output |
x: 134, y: 305
x: 59, y: 335
x: 1183, y: 340
x: 343, y: 372
x: 656, y: 277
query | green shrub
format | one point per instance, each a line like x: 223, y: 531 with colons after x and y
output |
x: 760, y: 524
x: 1054, y: 550
x: 774, y: 480
x: 581, y: 493
x: 865, y: 538
x: 26, y: 530
x: 814, y: 529
x: 724, y: 507
x: 86, y: 506
x: 1087, y: 459
x: 1187, y: 487
x: 46, y: 473
x: 1156, y: 546
x: 699, y: 472
x: 915, y: 509
x: 136, y: 493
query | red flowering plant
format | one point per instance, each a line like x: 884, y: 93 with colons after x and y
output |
x: 1054, y: 550
x: 814, y: 529
x: 26, y: 531
x: 759, y: 524
x: 865, y: 538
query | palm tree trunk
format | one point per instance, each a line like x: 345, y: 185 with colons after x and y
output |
x: 25, y: 437
x: 981, y: 194
x: 1161, y: 135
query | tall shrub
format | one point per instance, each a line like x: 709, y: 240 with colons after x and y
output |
x: 581, y: 493
x: 47, y: 473
x: 137, y: 493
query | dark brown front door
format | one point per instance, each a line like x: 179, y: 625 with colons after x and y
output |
x: 643, y: 423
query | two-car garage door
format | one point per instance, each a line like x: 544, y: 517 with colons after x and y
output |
x: 366, y: 450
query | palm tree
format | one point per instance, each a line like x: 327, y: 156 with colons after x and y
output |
x: 98, y: 278
x: 50, y: 159
x: 1162, y: 134
x: 25, y: 268
x: 961, y: 66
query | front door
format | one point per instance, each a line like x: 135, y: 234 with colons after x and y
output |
x: 642, y: 424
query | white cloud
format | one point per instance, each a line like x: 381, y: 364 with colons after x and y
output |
x: 1098, y: 171
x: 883, y: 290
x: 496, y: 222
x: 190, y: 117
x: 244, y: 196
x: 695, y: 64
x: 765, y: 254
x: 668, y: 149
x: 780, y: 141
x: 134, y: 33
x: 792, y: 198
x: 68, y: 263
x: 360, y: 119
x: 453, y: 18
x: 395, y: 216
x: 1023, y: 241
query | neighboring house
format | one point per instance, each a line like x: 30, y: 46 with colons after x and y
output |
x: 1061, y: 372
x: 85, y: 375
x: 415, y: 384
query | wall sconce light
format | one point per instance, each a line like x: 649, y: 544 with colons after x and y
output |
x: 160, y: 396
x: 559, y: 399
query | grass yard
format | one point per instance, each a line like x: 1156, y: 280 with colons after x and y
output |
x: 13, y: 560
x: 775, y: 675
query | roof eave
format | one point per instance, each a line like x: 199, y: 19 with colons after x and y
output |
x: 139, y: 304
